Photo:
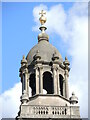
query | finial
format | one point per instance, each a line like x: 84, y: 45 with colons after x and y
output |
x: 42, y: 35
x: 73, y: 93
x: 66, y: 58
x: 66, y: 62
x: 55, y: 52
x: 23, y: 57
x: 55, y: 56
x: 73, y: 99
x: 37, y: 51
x: 42, y: 18
x: 23, y: 61
x: 37, y: 56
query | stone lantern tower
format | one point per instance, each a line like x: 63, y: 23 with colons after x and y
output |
x: 45, y: 72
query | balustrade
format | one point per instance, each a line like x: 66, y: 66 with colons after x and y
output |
x: 50, y: 111
x: 45, y: 110
x: 59, y: 111
x: 40, y: 110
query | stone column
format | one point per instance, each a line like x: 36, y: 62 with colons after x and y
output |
x: 24, y: 97
x: 54, y: 80
x: 28, y: 85
x: 67, y: 69
x: 41, y: 80
x: 58, y: 83
x: 66, y: 84
x: 23, y: 74
x: 26, y: 82
x: 64, y: 87
x: 37, y: 80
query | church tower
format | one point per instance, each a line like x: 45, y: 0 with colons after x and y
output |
x: 45, y: 72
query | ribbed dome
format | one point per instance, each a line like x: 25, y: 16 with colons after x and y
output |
x: 46, y: 51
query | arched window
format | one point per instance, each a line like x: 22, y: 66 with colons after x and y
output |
x: 48, y: 82
x: 61, y: 84
x: 33, y: 84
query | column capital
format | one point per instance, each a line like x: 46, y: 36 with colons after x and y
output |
x: 40, y: 67
x: 67, y: 73
x: 26, y: 70
x: 36, y: 68
x: 67, y: 68
x: 55, y: 68
x: 64, y: 80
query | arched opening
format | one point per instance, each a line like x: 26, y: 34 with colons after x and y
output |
x: 33, y: 84
x: 61, y: 84
x: 48, y: 82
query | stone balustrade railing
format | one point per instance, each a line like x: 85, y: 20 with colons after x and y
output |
x: 50, y: 111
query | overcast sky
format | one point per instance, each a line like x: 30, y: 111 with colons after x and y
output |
x: 67, y: 25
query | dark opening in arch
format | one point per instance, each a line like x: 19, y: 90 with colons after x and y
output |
x: 33, y: 84
x: 48, y: 82
x: 61, y: 84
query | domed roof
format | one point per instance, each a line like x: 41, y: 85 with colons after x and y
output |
x: 46, y: 51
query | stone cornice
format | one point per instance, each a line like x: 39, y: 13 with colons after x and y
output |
x: 49, y: 95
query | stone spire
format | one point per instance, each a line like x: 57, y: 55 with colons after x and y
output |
x: 42, y: 35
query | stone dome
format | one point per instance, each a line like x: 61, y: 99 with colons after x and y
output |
x: 46, y: 51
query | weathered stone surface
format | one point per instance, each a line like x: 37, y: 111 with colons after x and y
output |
x: 46, y: 51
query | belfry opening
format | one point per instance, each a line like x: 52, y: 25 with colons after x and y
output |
x: 32, y: 84
x: 48, y: 82
x: 61, y: 84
